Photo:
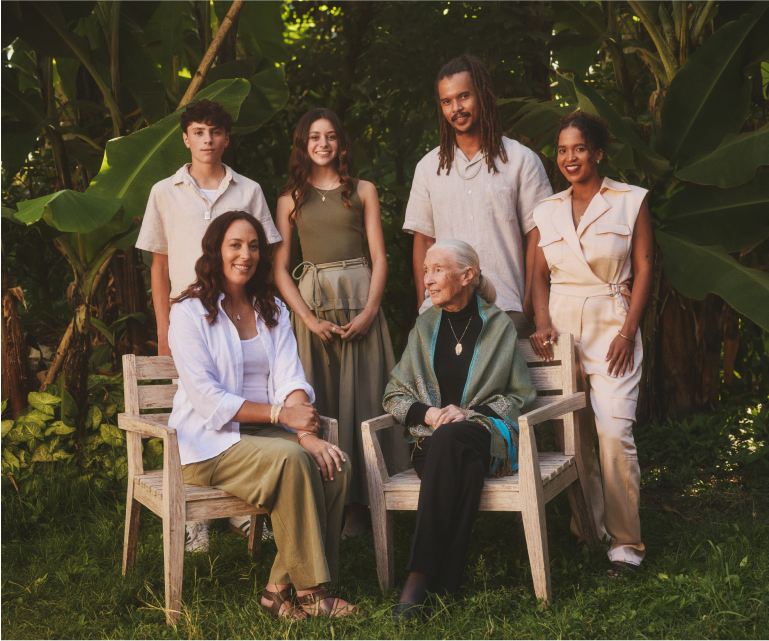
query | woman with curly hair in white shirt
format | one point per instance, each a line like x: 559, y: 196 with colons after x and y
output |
x: 244, y: 417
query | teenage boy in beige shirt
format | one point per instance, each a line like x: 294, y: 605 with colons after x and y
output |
x: 178, y: 213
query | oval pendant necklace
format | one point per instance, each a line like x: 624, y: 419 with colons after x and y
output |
x: 458, y: 348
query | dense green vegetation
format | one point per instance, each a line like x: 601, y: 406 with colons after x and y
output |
x: 90, y: 120
x: 706, y: 574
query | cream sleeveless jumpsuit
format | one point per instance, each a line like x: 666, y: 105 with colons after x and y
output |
x: 589, y: 271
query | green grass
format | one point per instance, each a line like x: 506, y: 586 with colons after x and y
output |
x: 706, y: 574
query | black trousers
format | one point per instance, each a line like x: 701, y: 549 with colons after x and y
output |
x: 451, y: 464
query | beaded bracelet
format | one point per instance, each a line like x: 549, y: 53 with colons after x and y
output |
x: 303, y: 435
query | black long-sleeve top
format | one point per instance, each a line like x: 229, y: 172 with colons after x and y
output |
x: 451, y: 369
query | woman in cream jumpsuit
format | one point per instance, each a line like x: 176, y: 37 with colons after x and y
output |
x: 594, y: 237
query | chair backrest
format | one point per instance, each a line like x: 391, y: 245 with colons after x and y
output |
x: 144, y: 397
x: 555, y: 379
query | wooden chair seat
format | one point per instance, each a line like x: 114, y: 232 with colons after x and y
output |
x: 164, y: 491
x: 148, y: 490
x: 540, y: 478
x: 557, y: 472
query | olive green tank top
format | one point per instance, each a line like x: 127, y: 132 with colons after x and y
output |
x: 329, y: 231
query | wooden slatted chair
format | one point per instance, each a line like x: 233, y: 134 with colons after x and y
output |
x: 164, y: 491
x: 541, y: 476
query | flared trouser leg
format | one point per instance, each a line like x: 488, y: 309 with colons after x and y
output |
x: 451, y: 464
x: 272, y: 471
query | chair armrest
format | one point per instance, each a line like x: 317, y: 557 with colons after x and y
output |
x: 556, y: 409
x: 331, y: 428
x: 381, y: 422
x: 144, y: 425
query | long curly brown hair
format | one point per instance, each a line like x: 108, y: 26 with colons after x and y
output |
x: 208, y: 285
x: 300, y: 164
x: 489, y: 120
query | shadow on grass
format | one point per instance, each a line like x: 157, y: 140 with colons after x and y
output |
x: 706, y: 574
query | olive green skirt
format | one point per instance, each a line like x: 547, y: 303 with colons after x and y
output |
x: 349, y: 378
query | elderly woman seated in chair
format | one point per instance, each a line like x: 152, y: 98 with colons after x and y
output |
x: 459, y: 389
x: 244, y: 419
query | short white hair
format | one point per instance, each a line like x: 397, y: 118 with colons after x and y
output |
x: 465, y: 256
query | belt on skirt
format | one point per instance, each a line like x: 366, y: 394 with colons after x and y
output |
x: 617, y: 291
x: 314, y: 269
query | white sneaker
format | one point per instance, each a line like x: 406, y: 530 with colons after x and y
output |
x: 198, y: 535
x: 241, y: 525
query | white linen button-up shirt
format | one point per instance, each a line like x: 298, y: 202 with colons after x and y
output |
x: 178, y: 214
x: 209, y: 360
x: 490, y: 211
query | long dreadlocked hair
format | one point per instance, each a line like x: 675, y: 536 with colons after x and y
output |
x: 489, y: 120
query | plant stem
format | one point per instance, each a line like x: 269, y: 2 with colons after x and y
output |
x: 208, y: 59
x: 85, y: 59
x: 114, y: 61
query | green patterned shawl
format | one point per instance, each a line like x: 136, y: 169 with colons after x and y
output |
x: 498, y: 375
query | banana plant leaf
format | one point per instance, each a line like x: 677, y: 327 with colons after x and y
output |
x: 70, y: 211
x: 709, y: 97
x: 590, y: 101
x: 133, y: 164
x: 260, y: 28
x: 269, y: 94
x: 733, y: 163
x: 736, y: 219
x: 36, y: 31
x: 697, y: 271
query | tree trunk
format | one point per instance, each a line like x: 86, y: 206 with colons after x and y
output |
x: 131, y: 294
x: 690, y: 339
x: 76, y: 365
x: 648, y: 398
x: 15, y: 375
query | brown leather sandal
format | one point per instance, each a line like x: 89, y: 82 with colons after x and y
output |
x: 320, y: 598
x: 278, y: 600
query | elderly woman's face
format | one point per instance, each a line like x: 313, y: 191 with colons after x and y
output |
x: 240, y: 252
x: 446, y: 283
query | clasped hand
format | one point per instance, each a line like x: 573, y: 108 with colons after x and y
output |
x: 435, y: 417
x: 356, y: 329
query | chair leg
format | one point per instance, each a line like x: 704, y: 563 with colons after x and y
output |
x: 535, y: 527
x: 255, y: 535
x: 131, y: 541
x: 173, y: 544
x: 382, y: 524
x: 585, y: 515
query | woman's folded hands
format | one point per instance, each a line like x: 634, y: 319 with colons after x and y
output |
x: 435, y: 417
x: 302, y: 417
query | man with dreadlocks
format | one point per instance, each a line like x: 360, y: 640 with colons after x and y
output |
x: 452, y: 197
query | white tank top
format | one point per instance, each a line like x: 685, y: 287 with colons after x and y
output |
x: 256, y: 370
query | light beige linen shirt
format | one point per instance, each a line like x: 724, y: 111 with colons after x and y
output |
x: 490, y: 211
x: 178, y: 214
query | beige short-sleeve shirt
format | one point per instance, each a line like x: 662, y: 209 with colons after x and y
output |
x: 178, y: 214
x: 490, y: 211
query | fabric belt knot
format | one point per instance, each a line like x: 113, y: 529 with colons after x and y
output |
x: 316, y: 300
x: 307, y: 266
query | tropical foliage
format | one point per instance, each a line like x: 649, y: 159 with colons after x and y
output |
x: 90, y: 120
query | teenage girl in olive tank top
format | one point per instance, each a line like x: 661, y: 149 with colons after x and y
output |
x: 342, y: 336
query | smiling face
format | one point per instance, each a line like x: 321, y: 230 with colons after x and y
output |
x: 323, y: 143
x: 240, y: 253
x: 574, y: 158
x: 206, y: 142
x: 459, y: 102
x: 448, y: 286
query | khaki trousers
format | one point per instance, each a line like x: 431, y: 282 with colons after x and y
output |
x: 614, y: 476
x: 269, y: 469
